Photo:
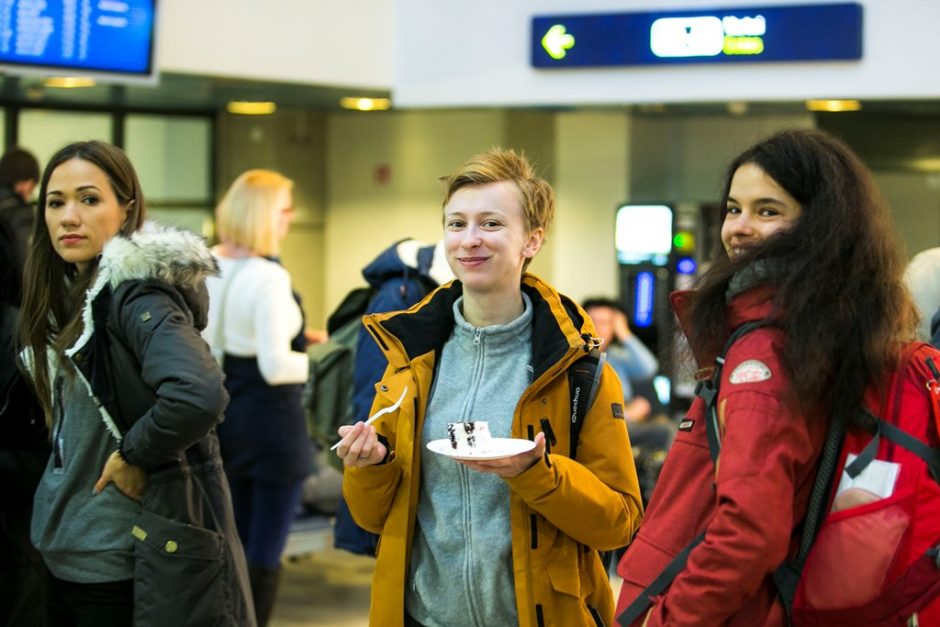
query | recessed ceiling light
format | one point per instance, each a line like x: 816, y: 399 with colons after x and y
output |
x: 68, y: 82
x: 250, y: 107
x: 737, y: 107
x: 365, y: 104
x: 833, y: 106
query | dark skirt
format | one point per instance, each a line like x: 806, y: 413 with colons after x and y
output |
x: 264, y: 434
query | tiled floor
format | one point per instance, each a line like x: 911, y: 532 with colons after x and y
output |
x: 329, y: 587
x: 323, y: 586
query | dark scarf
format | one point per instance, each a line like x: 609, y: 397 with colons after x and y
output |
x: 758, y: 272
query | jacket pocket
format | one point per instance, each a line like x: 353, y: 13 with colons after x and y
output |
x: 641, y: 564
x: 180, y: 574
x: 857, y: 545
x: 579, y: 583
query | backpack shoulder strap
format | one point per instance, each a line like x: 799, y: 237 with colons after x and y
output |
x: 708, y: 390
x: 584, y: 378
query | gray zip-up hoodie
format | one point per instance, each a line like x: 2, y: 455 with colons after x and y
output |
x: 461, y: 563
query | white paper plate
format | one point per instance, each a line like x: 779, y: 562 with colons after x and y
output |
x: 499, y: 448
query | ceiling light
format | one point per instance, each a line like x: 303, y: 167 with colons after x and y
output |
x: 250, y: 107
x: 68, y: 82
x: 365, y: 104
x: 737, y: 107
x: 927, y: 164
x: 833, y: 106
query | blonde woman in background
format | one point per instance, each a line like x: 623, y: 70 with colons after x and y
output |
x: 256, y: 328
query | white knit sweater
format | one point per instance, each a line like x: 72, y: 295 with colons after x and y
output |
x: 260, y: 317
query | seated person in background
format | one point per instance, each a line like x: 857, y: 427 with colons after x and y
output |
x: 634, y: 364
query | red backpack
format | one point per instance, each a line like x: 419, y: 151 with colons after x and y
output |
x: 874, y: 559
x: 870, y: 549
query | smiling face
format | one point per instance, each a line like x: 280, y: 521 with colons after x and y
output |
x: 757, y: 208
x: 486, y: 239
x: 82, y: 212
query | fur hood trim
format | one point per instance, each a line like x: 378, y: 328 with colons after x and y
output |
x: 176, y: 256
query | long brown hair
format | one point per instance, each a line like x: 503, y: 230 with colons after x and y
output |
x: 837, y: 273
x: 54, y: 290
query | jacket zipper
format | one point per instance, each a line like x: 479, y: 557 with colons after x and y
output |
x: 58, y: 463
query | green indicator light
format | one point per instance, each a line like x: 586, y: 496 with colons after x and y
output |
x: 557, y: 41
x: 683, y: 241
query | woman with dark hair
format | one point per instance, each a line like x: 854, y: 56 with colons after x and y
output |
x: 808, y: 247
x: 110, y: 323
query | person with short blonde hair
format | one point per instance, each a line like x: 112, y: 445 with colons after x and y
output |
x: 536, y: 196
x: 491, y: 541
x: 250, y: 216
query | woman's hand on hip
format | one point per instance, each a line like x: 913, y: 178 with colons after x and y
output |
x: 128, y: 479
x: 360, y: 446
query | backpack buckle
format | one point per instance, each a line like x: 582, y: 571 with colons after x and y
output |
x: 934, y: 552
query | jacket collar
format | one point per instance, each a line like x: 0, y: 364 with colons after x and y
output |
x: 559, y: 326
x: 747, y: 306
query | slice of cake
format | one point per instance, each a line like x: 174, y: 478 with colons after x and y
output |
x: 467, y: 438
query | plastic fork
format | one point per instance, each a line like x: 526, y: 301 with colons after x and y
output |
x: 381, y: 412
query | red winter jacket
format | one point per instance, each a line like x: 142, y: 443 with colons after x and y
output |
x: 749, y: 508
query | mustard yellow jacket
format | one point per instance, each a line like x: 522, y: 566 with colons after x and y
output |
x: 562, y: 511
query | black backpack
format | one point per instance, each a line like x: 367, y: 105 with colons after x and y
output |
x: 327, y: 397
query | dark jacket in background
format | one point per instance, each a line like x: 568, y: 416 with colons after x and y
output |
x: 24, y: 450
x: 397, y: 286
x: 19, y: 215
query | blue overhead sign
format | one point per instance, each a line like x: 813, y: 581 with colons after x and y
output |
x: 815, y: 32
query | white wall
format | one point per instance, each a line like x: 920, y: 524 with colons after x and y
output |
x: 346, y: 43
x: 591, y: 165
x: 915, y: 205
x: 476, y: 52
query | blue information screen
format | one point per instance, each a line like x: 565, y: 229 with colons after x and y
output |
x: 818, y: 32
x: 95, y: 35
x: 643, y: 294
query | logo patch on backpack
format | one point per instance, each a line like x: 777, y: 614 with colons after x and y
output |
x: 750, y: 371
x: 686, y: 425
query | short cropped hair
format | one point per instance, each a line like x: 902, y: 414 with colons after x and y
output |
x: 248, y: 215
x: 603, y: 301
x: 493, y: 166
x: 18, y: 165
